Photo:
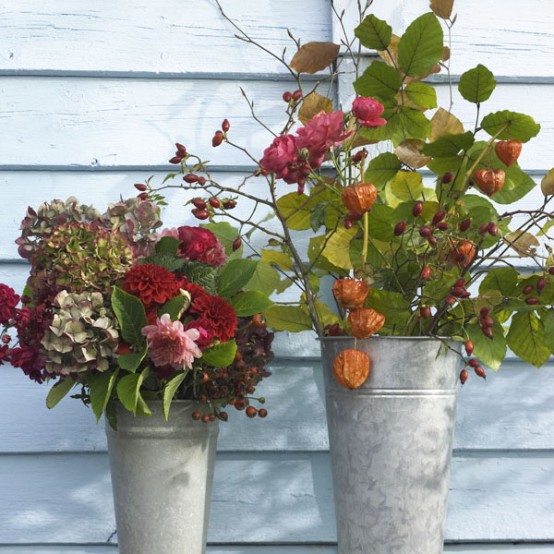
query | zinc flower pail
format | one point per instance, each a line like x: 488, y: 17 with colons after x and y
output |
x: 162, y: 474
x: 391, y: 444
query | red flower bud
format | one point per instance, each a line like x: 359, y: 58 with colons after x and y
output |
x: 140, y: 186
x: 225, y: 126
x: 143, y: 196
x: 181, y: 149
x: 176, y: 160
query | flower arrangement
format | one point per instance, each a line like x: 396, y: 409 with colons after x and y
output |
x: 125, y: 312
x: 396, y: 201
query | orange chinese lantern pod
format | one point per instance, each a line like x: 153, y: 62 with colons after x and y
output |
x: 350, y: 293
x: 508, y: 151
x: 359, y: 198
x: 463, y: 253
x: 364, y: 322
x: 489, y: 181
x: 351, y: 368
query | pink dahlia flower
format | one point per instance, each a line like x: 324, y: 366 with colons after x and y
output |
x: 169, y: 343
x: 368, y: 111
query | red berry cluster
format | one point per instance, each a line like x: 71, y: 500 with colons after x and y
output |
x: 180, y: 154
x: 221, y: 134
x: 235, y: 385
x: 204, y: 207
x: 486, y: 322
x: 472, y: 363
x: 292, y: 98
x: 534, y: 288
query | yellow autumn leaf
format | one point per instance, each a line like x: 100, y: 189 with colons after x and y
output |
x: 312, y: 104
x: 442, y: 8
x: 547, y: 183
x: 314, y: 56
x: 445, y: 123
x: 525, y: 244
x: 390, y: 55
x: 337, y: 249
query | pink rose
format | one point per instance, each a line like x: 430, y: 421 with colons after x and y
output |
x: 367, y: 111
x: 201, y: 245
x: 323, y: 132
x: 170, y: 344
x: 280, y: 156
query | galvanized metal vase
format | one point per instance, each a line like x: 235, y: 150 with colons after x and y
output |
x: 162, y: 474
x: 391, y: 444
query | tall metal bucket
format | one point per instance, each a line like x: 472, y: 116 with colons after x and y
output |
x: 391, y: 444
x: 162, y: 474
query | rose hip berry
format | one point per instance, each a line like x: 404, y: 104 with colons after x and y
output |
x: 425, y: 312
x: 469, y: 347
x: 251, y: 411
x: 225, y: 126
x: 463, y: 376
x: 262, y: 412
x: 417, y: 209
x: 465, y: 225
x: 199, y: 203
x: 528, y: 289
x: 217, y: 139
x: 200, y: 214
x: 532, y: 300
x: 480, y: 372
x: 236, y: 244
x: 399, y: 228
x: 447, y: 178
x: 140, y: 186
x: 425, y: 272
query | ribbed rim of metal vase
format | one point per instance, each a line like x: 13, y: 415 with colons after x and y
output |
x: 388, y: 337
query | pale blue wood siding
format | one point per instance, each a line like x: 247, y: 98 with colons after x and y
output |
x: 93, y: 96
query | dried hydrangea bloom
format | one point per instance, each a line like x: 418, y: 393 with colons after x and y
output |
x: 40, y: 223
x: 82, y: 336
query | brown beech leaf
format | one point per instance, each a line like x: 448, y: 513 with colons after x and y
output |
x: 312, y: 104
x: 547, y: 183
x: 445, y: 123
x: 445, y: 54
x: 525, y: 244
x: 442, y: 8
x: 408, y: 152
x: 314, y: 56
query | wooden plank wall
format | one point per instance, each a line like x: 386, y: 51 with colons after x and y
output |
x: 93, y: 97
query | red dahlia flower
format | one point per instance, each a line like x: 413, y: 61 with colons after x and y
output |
x: 218, y: 315
x: 152, y: 284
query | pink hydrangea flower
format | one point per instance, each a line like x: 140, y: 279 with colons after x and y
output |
x: 368, y: 110
x: 323, y: 132
x: 169, y: 343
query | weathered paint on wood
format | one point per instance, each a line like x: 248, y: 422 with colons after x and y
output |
x: 111, y: 123
x: 490, y: 417
x: 271, y: 498
x: 134, y: 37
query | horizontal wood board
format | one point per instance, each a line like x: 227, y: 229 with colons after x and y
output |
x: 269, y: 498
x: 112, y: 123
x: 511, y: 411
x: 152, y: 38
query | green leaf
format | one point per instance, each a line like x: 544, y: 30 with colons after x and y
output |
x: 527, y: 338
x: 101, y: 386
x: 59, y: 390
x: 378, y: 80
x: 516, y: 185
x: 547, y: 318
x: 421, y: 46
x: 221, y: 355
x: 175, y: 307
x: 265, y: 279
x: 131, y: 362
x: 393, y: 306
x: 225, y: 233
x: 502, y: 279
x: 250, y: 302
x: 169, y: 392
x: 490, y: 351
x: 317, y: 216
x: 407, y: 185
x: 200, y: 274
x: 422, y: 94
x: 275, y: 257
x: 234, y: 276
x: 128, y: 389
x: 515, y: 126
x: 409, y: 124
x: 380, y: 223
x: 336, y: 251
x: 382, y: 169
x: 130, y: 314
x: 449, y: 145
x: 296, y: 211
x: 167, y: 245
x: 374, y: 33
x: 287, y: 318
x: 477, y: 84
x: 168, y: 261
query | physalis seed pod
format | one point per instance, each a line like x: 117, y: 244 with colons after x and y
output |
x: 359, y: 198
x: 508, y: 151
x: 364, y: 322
x: 351, y: 368
x: 350, y: 293
x: 489, y: 181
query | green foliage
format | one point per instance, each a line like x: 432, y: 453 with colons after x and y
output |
x: 201, y: 274
x: 477, y: 84
x: 422, y: 94
x: 382, y: 169
x: 128, y: 392
x: 59, y: 390
x: 234, y: 276
x: 374, y: 33
x: 510, y: 125
x: 101, y: 386
x: 379, y: 80
x: 130, y: 315
x: 169, y: 391
x: 288, y: 318
x: 250, y: 302
x: 220, y: 355
x: 527, y: 338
